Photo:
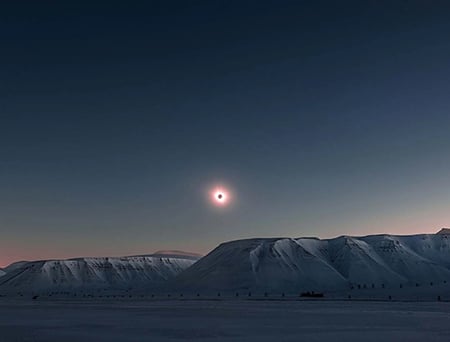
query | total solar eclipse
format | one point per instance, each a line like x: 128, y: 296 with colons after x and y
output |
x: 220, y: 196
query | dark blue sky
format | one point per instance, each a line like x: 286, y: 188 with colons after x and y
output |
x: 323, y: 117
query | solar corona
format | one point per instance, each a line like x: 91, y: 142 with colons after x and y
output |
x: 220, y: 196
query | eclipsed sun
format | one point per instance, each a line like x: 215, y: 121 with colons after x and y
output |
x: 220, y: 196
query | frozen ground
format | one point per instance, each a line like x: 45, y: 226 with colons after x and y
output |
x: 238, y: 320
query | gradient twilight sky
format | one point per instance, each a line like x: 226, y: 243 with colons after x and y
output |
x: 322, y: 117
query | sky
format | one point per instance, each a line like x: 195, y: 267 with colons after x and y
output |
x: 321, y: 118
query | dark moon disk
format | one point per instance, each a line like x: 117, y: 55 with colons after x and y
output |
x: 220, y: 196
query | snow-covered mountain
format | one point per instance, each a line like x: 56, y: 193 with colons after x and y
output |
x: 14, y: 266
x: 444, y: 231
x: 2, y: 272
x: 174, y: 254
x: 94, y: 273
x: 270, y: 264
x: 285, y: 264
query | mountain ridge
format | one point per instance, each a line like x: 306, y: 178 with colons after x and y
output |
x: 277, y: 264
x: 89, y: 273
x: 294, y: 264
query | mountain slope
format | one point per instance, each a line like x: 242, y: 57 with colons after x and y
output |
x: 283, y: 264
x: 412, y: 257
x: 14, y: 266
x: 445, y: 231
x: 268, y: 264
x: 359, y: 263
x: 94, y: 273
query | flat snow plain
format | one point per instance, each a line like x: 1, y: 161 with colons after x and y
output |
x: 224, y: 320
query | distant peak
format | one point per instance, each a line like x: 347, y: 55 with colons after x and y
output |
x: 444, y: 231
x: 177, y: 253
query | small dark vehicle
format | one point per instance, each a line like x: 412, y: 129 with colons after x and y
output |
x: 312, y: 294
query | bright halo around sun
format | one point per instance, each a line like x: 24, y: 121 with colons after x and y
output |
x: 220, y: 196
